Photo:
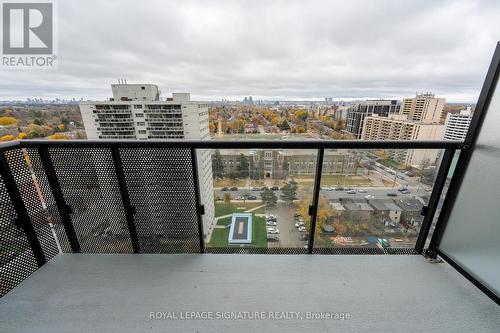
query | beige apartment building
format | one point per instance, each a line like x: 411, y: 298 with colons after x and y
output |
x: 423, y: 107
x: 399, y: 128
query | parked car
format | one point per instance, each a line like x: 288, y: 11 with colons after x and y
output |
x: 360, y: 190
x: 233, y: 189
x: 351, y: 192
x: 224, y: 189
x: 302, y: 229
x: 275, y: 188
x: 369, y: 196
x: 339, y: 188
x: 271, y: 216
x: 272, y: 238
x: 304, y: 237
x: 252, y: 197
x: 271, y: 230
x: 390, y: 194
x: 405, y: 192
x: 271, y: 223
x: 299, y: 224
x: 255, y: 188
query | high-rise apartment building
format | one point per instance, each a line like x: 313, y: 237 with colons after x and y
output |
x: 400, y: 128
x: 423, y: 107
x: 356, y: 114
x: 457, y: 125
x: 136, y: 112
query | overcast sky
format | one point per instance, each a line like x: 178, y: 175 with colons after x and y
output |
x: 269, y: 49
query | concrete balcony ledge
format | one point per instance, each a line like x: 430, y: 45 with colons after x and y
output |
x: 118, y: 293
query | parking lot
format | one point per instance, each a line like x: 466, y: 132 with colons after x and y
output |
x: 289, y: 236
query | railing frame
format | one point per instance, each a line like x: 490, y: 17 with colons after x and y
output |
x: 193, y: 145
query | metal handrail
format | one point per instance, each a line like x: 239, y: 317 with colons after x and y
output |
x: 243, y: 144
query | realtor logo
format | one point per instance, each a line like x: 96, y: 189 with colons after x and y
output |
x: 28, y: 34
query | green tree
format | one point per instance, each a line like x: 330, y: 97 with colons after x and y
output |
x: 289, y: 192
x: 242, y: 166
x: 269, y: 198
x: 218, y: 165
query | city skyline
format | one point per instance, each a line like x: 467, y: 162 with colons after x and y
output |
x: 296, y: 52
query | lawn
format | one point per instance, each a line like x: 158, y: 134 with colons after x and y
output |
x: 259, y: 234
x: 226, y: 182
x: 222, y: 208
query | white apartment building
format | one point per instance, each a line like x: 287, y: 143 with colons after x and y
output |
x: 399, y: 128
x: 457, y: 125
x: 423, y: 107
x: 136, y: 112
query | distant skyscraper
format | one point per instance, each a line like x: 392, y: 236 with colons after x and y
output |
x: 136, y: 112
x: 457, y: 125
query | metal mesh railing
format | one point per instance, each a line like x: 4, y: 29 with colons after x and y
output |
x: 122, y: 197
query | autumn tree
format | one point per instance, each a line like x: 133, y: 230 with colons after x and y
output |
x: 8, y: 121
x: 58, y: 136
x: 7, y: 137
x: 218, y: 165
x: 289, y: 192
x: 242, y: 166
x: 269, y: 198
x: 227, y: 198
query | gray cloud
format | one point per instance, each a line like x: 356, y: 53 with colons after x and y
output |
x: 269, y: 49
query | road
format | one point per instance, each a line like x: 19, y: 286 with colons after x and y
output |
x: 375, y: 192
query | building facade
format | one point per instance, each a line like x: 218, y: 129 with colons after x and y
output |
x: 423, y: 107
x: 399, y: 128
x: 136, y: 112
x: 281, y: 164
x: 356, y: 114
x: 457, y: 125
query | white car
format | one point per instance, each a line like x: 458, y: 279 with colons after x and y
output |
x: 271, y: 223
x: 273, y: 231
x: 302, y: 229
x: 361, y: 190
x: 369, y: 196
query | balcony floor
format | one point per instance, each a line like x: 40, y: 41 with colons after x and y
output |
x: 116, y: 293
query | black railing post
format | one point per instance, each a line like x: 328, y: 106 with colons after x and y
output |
x: 23, y: 219
x: 63, y: 209
x: 313, y: 209
x: 199, y: 208
x: 430, y: 210
x: 129, y: 209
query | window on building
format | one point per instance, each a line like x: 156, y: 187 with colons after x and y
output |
x: 142, y: 131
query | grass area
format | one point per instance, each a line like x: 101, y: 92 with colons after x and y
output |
x: 222, y: 208
x: 224, y: 221
x: 332, y: 180
x: 259, y: 233
x: 391, y: 163
x: 229, y: 183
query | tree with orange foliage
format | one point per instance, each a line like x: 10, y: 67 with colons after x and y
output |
x: 7, y: 137
x: 8, y: 121
x: 58, y: 136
